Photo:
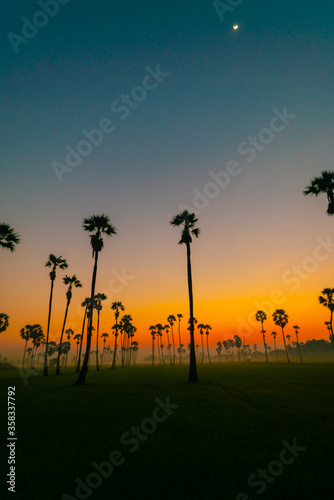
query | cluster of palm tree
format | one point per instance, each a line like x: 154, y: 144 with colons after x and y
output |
x: 156, y: 332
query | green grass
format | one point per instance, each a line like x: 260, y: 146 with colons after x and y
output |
x: 226, y: 427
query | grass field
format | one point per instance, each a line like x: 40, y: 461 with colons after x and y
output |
x: 225, y: 428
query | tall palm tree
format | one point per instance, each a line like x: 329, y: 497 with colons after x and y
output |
x: 207, y: 328
x: 99, y: 297
x: 153, y: 334
x: 323, y: 184
x: 69, y: 333
x: 53, y: 262
x: 25, y: 334
x: 104, y: 336
x: 281, y: 319
x: 238, y: 344
x: 327, y: 300
x: 86, y: 305
x: 274, y: 334
x: 331, y: 338
x: 188, y: 223
x: 8, y: 239
x: 36, y: 335
x: 77, y: 337
x: 126, y: 324
x: 201, y: 328
x: 296, y: 328
x: 117, y: 307
x: 179, y: 330
x: 97, y: 225
x: 159, y: 328
x: 70, y: 282
x: 171, y: 320
x: 261, y: 316
x: 166, y: 328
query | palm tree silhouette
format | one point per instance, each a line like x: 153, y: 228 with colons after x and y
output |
x: 166, y: 328
x: 70, y: 282
x: 69, y: 332
x: 261, y: 316
x: 4, y: 322
x: 153, y: 333
x: 296, y: 327
x: 207, y: 328
x: 323, y: 184
x: 201, y: 331
x: 25, y: 334
x: 238, y: 344
x: 36, y: 335
x: 104, y: 336
x: 327, y: 323
x: 77, y: 337
x: 85, y: 304
x: 274, y: 334
x: 99, y: 297
x: 179, y: 329
x: 327, y: 300
x: 117, y: 307
x: 98, y: 225
x: 171, y: 319
x: 281, y: 319
x: 188, y: 222
x: 53, y: 262
x: 8, y: 239
x: 159, y: 329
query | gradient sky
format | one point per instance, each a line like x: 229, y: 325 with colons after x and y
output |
x: 223, y: 86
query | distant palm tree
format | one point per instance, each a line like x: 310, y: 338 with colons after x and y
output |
x: 207, y: 328
x: 4, y: 322
x: 201, y: 331
x: 104, y: 336
x: 117, y: 307
x: 179, y: 330
x: 159, y: 328
x: 171, y: 320
x: 281, y: 319
x: 99, y: 297
x: 238, y: 344
x: 77, y: 337
x: 69, y: 332
x: 323, y: 184
x: 86, y: 305
x: 36, y: 335
x: 53, y: 262
x: 261, y: 316
x: 153, y: 334
x: 331, y: 338
x: 25, y: 334
x: 98, y: 225
x: 166, y: 328
x: 70, y: 282
x: 188, y: 222
x: 8, y: 239
x: 296, y: 327
x: 327, y: 300
x: 274, y: 334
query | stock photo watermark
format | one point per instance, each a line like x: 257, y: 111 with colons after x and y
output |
x: 262, y: 477
x: 130, y: 439
x: 248, y: 148
x: 294, y: 276
x: 225, y: 7
x: 122, y: 108
x: 40, y: 19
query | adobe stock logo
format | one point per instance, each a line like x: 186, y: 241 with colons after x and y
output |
x: 39, y: 20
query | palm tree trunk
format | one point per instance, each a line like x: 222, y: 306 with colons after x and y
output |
x: 180, y: 339
x: 97, y: 340
x: 202, y: 349
x: 24, y: 353
x: 152, y: 351
x: 115, y: 348
x: 159, y: 350
x: 61, y: 338
x: 47, y: 332
x: 81, y: 340
x: 82, y: 375
x: 173, y: 345
x: 286, y: 351
x: 207, y: 343
x: 192, y: 366
x: 264, y: 343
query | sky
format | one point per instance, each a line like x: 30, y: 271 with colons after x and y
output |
x: 232, y: 124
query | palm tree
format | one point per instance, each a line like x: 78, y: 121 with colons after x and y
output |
x: 25, y: 334
x: 153, y: 333
x: 159, y: 329
x: 274, y: 334
x: 104, y: 336
x: 98, y: 225
x: 179, y: 329
x: 327, y: 300
x: 188, y: 222
x: 327, y: 323
x: 207, y: 328
x: 86, y: 305
x: 78, y: 338
x: 117, y: 307
x: 323, y: 184
x: 69, y: 332
x: 281, y: 319
x: 261, y: 316
x: 4, y: 322
x: 8, y: 239
x: 36, y: 335
x: 53, y: 262
x: 171, y: 319
x: 99, y: 297
x: 166, y: 327
x: 201, y: 331
x: 296, y: 327
x: 126, y: 326
x: 238, y: 344
x: 70, y: 282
